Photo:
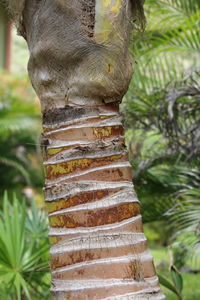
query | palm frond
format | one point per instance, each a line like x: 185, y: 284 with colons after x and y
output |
x: 170, y: 45
x: 185, y: 217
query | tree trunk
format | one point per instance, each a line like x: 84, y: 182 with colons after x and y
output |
x: 80, y: 68
x: 98, y: 248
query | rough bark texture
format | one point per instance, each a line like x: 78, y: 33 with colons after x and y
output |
x: 80, y: 68
x: 98, y: 248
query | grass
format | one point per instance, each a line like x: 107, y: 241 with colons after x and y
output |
x: 191, y: 289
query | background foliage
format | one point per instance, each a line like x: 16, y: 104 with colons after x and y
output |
x: 162, y: 109
x: 20, y: 157
x: 162, y: 113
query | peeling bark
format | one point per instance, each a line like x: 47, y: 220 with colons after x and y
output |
x: 80, y: 68
x: 99, y: 250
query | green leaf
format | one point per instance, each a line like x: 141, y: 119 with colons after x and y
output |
x: 167, y: 283
x: 177, y: 278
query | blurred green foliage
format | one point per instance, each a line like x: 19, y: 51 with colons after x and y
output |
x: 20, y: 54
x: 20, y: 157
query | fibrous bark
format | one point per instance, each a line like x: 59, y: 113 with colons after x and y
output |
x: 80, y: 68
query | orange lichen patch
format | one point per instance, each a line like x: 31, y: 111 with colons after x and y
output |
x: 53, y: 240
x: 51, y: 152
x: 110, y: 68
x: 54, y: 151
x: 70, y: 167
x: 87, y: 133
x: 85, y: 197
x: 66, y: 259
x: 112, y: 174
x: 103, y: 117
x: 107, y: 131
x: 97, y: 217
x: 103, y: 132
x: 106, y: 271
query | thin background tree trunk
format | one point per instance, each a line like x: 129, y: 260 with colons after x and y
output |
x: 80, y: 68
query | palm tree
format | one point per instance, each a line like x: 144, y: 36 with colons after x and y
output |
x: 80, y: 68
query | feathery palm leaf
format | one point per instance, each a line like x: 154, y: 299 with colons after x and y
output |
x: 170, y: 44
x: 185, y: 216
x: 163, y: 102
x: 21, y: 256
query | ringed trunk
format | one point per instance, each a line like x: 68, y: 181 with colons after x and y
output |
x: 99, y: 250
x: 80, y: 68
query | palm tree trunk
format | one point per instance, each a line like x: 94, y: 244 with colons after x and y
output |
x: 80, y: 68
x: 98, y: 248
